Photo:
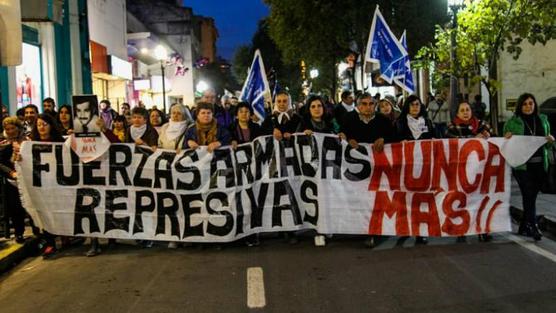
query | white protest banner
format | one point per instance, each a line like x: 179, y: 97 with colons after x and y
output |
x: 447, y: 187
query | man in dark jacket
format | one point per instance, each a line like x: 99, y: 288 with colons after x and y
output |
x: 344, y: 107
x: 364, y: 125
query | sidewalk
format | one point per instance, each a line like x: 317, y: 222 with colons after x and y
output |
x: 11, y: 252
x: 546, y: 209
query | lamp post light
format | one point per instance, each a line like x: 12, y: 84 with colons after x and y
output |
x: 314, y: 73
x: 455, y: 6
x: 161, y: 54
x: 202, y: 86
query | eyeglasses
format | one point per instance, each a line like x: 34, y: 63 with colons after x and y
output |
x: 42, y: 124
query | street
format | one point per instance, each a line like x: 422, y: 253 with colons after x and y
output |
x: 396, y: 276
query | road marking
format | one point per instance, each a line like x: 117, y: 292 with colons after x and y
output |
x: 255, y: 288
x: 532, y: 247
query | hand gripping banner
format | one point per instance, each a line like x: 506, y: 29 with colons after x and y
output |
x: 447, y: 187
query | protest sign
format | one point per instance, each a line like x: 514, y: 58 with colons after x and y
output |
x: 448, y: 187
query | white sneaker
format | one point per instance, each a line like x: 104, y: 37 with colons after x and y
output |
x: 172, y: 245
x: 320, y: 241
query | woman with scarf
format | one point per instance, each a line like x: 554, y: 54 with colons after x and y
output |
x: 387, y: 109
x: 206, y: 131
x: 465, y: 125
x: 283, y: 121
x: 172, y: 133
x: 315, y: 119
x: 528, y: 122
x: 140, y: 132
x: 12, y: 138
x: 414, y: 124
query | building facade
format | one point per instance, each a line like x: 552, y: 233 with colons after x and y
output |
x: 54, y: 62
x: 111, y: 70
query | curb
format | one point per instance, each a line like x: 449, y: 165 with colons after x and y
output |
x: 546, y: 224
x: 15, y: 253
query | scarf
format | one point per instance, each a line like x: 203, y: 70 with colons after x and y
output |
x: 472, y: 123
x: 107, y: 117
x: 283, y: 117
x: 137, y: 132
x: 175, y: 129
x: 417, y: 126
x: 318, y: 126
x: 206, y: 133
x: 348, y: 108
x: 120, y: 134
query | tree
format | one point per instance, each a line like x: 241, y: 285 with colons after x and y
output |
x: 323, y: 32
x: 485, y: 29
x: 287, y: 75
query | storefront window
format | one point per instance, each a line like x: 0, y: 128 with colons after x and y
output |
x: 28, y: 77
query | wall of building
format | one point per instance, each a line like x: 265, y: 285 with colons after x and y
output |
x: 209, y: 34
x: 108, y: 25
x: 533, y: 72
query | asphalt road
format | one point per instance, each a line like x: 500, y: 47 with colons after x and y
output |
x: 501, y: 276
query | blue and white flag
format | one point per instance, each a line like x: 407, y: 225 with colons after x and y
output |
x: 404, y: 76
x: 256, y: 87
x: 383, y: 47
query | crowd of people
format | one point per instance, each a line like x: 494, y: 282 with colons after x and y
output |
x: 364, y: 119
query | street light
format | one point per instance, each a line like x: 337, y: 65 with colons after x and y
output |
x: 202, y: 86
x: 314, y: 73
x: 455, y: 6
x: 161, y: 54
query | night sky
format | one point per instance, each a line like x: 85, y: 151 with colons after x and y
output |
x: 236, y: 21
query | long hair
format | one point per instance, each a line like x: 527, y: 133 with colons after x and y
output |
x: 521, y: 100
x: 68, y: 107
x: 55, y: 134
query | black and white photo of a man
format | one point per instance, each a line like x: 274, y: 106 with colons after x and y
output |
x: 85, y: 110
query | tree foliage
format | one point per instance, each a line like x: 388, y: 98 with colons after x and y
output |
x: 288, y: 75
x: 486, y: 29
x: 322, y: 32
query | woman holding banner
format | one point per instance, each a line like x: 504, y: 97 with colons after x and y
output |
x: 206, y: 131
x: 12, y: 138
x: 46, y: 130
x: 172, y: 133
x: 281, y: 124
x: 244, y: 130
x: 414, y: 124
x: 465, y: 125
x: 316, y: 120
x: 530, y: 176
x: 141, y: 132
x: 283, y: 121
